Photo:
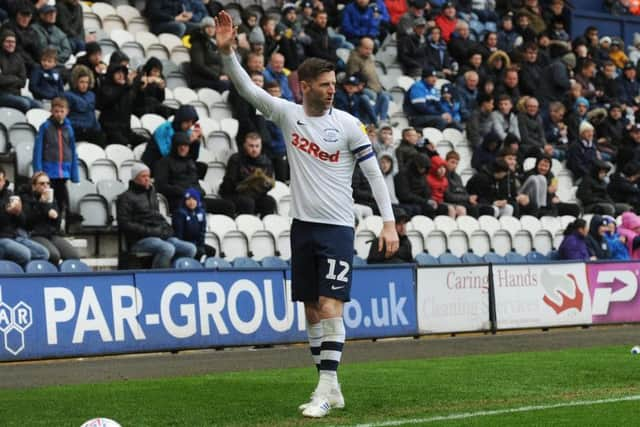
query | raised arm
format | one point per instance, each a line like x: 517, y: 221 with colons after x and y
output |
x: 225, y: 35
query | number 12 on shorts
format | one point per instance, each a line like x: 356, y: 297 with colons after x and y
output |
x: 342, y: 275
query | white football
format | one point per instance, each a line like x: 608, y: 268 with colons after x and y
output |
x: 100, y: 422
x: 635, y: 350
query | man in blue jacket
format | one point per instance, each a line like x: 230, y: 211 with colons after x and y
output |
x: 362, y: 18
x: 422, y: 103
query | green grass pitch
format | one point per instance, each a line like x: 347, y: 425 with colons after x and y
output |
x: 379, y: 393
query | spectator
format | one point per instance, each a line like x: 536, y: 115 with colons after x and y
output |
x: 577, y: 116
x: 45, y: 81
x: 184, y: 121
x: 397, y: 9
x: 190, y: 223
x: 616, y: 53
x: 530, y: 71
x: 531, y: 129
x: 362, y: 193
x: 507, y: 36
x: 422, y: 103
x: 611, y: 131
x: 197, y: 9
x: 623, y: 186
x: 438, y: 183
x: 496, y: 66
x: 555, y: 79
x: 447, y: 20
x: 43, y: 219
x: 378, y: 255
x: 460, y: 44
x: 630, y: 229
x: 177, y: 171
x: 414, y: 49
x: 628, y: 86
x: 489, y: 45
x: 248, y: 178
x: 615, y: 242
x: 408, y: 20
x: 249, y: 120
x: 412, y: 189
x: 275, y: 71
x: 582, y: 154
x: 509, y: 86
x: 291, y: 29
x: 321, y: 45
x: 70, y: 20
x: 533, y: 11
x: 115, y: 100
x: 276, y: 147
x: 362, y: 18
x: 486, y: 152
x: 555, y: 131
x: 54, y: 152
x: 92, y: 59
x: 449, y: 105
x: 144, y: 227
x: 595, y: 240
x: 351, y: 98
x: 474, y: 63
x: 82, y: 107
x: 592, y: 192
x: 485, y: 186
x: 27, y: 41
x: 49, y: 34
x: 169, y: 16
x: 456, y: 193
x: 606, y: 83
x: 13, y: 75
x: 249, y: 22
x: 504, y: 121
x: 630, y: 149
x: 14, y: 246
x: 525, y: 199
x: 206, y: 63
x: 523, y: 28
x: 554, y: 206
x: 150, y: 97
x: 480, y: 124
x: 362, y: 61
x: 387, y: 166
x: 408, y: 147
x: 468, y: 95
x: 383, y: 142
x: 573, y: 246
x: 585, y: 77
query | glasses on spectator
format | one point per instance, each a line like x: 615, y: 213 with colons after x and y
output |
x: 47, y: 183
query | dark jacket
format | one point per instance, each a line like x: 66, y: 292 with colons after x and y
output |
x: 248, y: 119
x: 52, y: 35
x: 139, y: 214
x: 554, y: 82
x: 401, y: 256
x: 239, y: 168
x: 456, y: 192
x: 13, y: 74
x: 320, y: 46
x: 437, y: 55
x: 460, y: 49
x: 190, y: 225
x: 622, y: 190
x: 206, y: 63
x: 529, y: 78
x: 573, y: 246
x: 45, y: 84
x: 161, y: 11
x: 70, y: 19
x: 413, y: 54
x: 593, y: 190
x: 627, y: 91
x: 580, y: 157
x: 485, y: 186
x: 37, y: 216
x: 478, y: 126
x: 357, y: 105
x: 82, y: 110
x: 27, y: 43
x: 54, y: 151
x: 613, y: 130
x: 404, y: 153
x: 9, y: 224
x: 362, y: 193
x: 531, y: 134
x: 115, y: 102
x: 411, y: 185
x: 173, y: 175
x: 597, y: 244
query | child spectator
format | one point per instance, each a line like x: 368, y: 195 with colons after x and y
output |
x: 190, y: 223
x: 595, y: 240
x: 573, y: 246
x: 456, y: 193
x: 54, y: 152
x: 615, y: 242
x: 450, y: 106
x: 82, y: 107
x: 351, y: 98
x: 437, y: 181
x: 630, y: 229
x: 45, y: 81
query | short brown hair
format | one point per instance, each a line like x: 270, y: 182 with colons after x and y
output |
x: 452, y: 155
x: 59, y: 101
x: 311, y: 68
x: 49, y: 53
x: 252, y: 135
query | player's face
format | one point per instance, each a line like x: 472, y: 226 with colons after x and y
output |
x: 320, y: 92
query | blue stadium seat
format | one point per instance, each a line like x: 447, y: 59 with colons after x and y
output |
x: 494, y: 258
x: 186, y: 263
x: 447, y: 258
x: 274, y: 262
x: 40, y: 266
x: 74, y: 266
x: 535, y: 257
x: 554, y: 256
x: 515, y: 258
x: 471, y: 258
x: 215, y: 262
x: 424, y: 258
x: 245, y: 262
x: 10, y: 267
x: 359, y: 261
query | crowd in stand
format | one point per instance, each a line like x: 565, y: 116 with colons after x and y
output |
x: 506, y: 72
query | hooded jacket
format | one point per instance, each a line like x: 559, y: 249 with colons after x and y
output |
x: 531, y: 133
x: 206, y: 63
x: 592, y: 189
x: 485, y: 186
x: 411, y: 185
x: 320, y: 46
x: 162, y: 141
x: 597, y: 244
x: 359, y: 22
x: 190, y: 225
x: 82, y: 106
x: 438, y: 184
x: 574, y: 247
x: 616, y: 246
x: 150, y: 98
x: 115, y: 102
x: 54, y: 150
x: 13, y: 74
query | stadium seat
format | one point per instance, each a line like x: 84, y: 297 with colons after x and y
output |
x: 185, y: 95
x: 454, y: 136
x: 422, y: 223
x: 134, y: 51
x: 157, y: 50
x: 535, y: 257
x: 187, y: 263
x: 103, y: 10
x: 457, y: 242
x: 4, y: 139
x: 40, y: 266
x: 209, y: 96
x: 279, y: 190
x: 494, y: 258
x: 284, y: 205
x: 95, y: 211
x: 20, y: 133
x: 124, y: 171
x: 515, y: 258
x: 220, y: 142
x: 138, y: 24
x: 501, y: 242
x: 74, y: 266
x: 417, y: 242
x: 208, y: 125
x: 480, y: 242
x: 244, y: 262
x: 436, y: 243
x: 471, y: 258
x: 113, y: 22
x: 77, y: 190
x: 110, y: 190
x: 274, y: 262
x: 150, y: 122
x: 216, y: 262
x: 163, y: 206
x: 362, y: 242
x: 565, y: 220
x: 138, y: 150
x: 433, y: 135
x: 447, y: 258
x: 11, y: 116
x: 103, y: 170
x: 215, y: 174
x: 220, y: 111
x: 89, y: 153
x: 445, y: 223
x: 551, y: 224
x: 169, y: 40
x: 235, y: 244
x: 530, y: 223
x: 528, y: 164
x: 522, y: 242
x: 373, y: 223
x: 127, y: 12
x: 230, y: 126
x: 543, y: 241
x: 426, y: 259
x: 466, y: 174
x: 180, y: 55
x: 510, y: 224
x: 118, y: 153
x: 146, y: 40
x: 554, y: 256
x: 10, y: 267
x: 558, y: 238
x: 91, y: 21
x: 358, y: 261
x: 276, y: 224
x: 468, y: 224
x: 220, y: 224
x: 205, y: 156
x: 120, y: 37
x: 248, y: 224
x: 262, y: 244
x: 283, y: 243
x: 211, y: 239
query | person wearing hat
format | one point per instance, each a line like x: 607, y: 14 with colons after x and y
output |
x: 582, y: 153
x: 447, y: 20
x: 70, y: 20
x: 49, y: 34
x: 616, y: 53
x: 145, y: 229
x: 351, y: 98
x: 630, y: 147
x: 450, y: 105
x: 412, y: 49
x: 623, y: 186
x: 486, y: 185
x: 13, y: 75
x: 206, y: 64
x: 408, y: 21
x: 27, y: 40
x: 592, y: 191
x: 422, y: 102
x: 92, y: 59
x: 507, y: 35
x: 151, y: 96
x: 404, y: 252
x: 611, y: 131
x: 189, y: 223
x: 579, y: 113
x: 597, y: 244
x: 628, y: 86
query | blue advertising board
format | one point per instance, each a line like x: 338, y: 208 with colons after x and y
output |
x: 76, y: 315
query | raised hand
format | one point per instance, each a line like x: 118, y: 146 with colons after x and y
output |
x: 225, y: 33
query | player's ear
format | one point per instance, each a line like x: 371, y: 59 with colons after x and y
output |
x: 304, y: 85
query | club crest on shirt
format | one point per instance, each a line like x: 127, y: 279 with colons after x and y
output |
x: 363, y: 128
x: 330, y: 135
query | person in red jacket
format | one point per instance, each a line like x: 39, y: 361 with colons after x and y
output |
x: 437, y: 181
x: 447, y: 21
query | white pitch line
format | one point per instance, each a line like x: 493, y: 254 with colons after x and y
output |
x: 465, y: 415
